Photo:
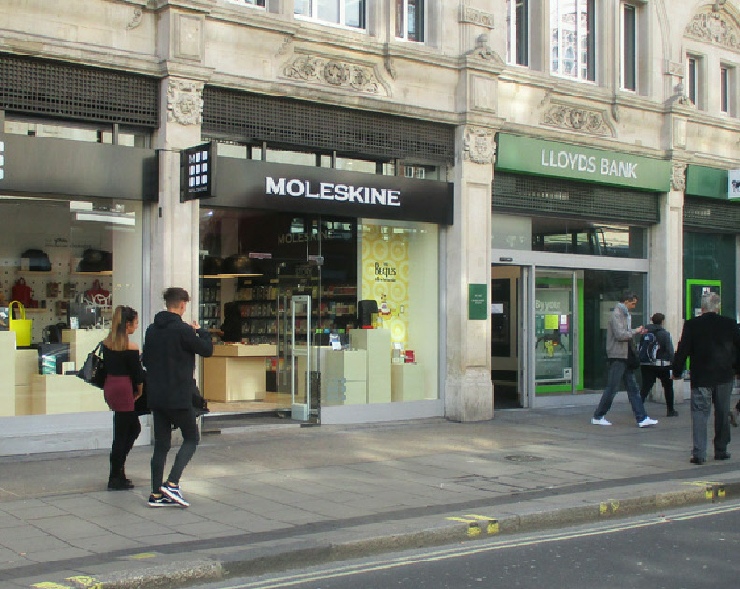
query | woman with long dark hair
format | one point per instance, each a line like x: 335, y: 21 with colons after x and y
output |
x: 124, y: 384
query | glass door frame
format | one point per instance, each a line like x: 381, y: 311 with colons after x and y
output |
x: 575, y: 330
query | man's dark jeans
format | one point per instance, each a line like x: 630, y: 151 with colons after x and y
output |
x: 163, y: 421
x: 617, y: 373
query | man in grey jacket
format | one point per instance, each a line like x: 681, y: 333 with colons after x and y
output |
x: 619, y: 334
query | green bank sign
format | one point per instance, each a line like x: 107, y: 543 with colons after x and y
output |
x: 561, y: 160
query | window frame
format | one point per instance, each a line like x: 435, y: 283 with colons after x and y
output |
x: 402, y: 32
x: 727, y: 85
x: 629, y: 47
x: 518, y: 33
x: 581, y: 6
x: 313, y: 16
x: 695, y: 80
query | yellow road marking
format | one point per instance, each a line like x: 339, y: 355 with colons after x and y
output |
x: 474, y: 526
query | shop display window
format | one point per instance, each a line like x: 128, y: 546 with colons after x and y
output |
x: 254, y: 264
x: 68, y: 263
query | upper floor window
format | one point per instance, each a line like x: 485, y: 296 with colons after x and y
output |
x: 349, y: 13
x: 694, y: 80
x: 517, y: 46
x: 410, y: 20
x: 249, y: 2
x: 726, y: 82
x: 572, y: 47
x: 629, y: 47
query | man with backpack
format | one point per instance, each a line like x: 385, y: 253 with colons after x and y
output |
x: 656, y: 355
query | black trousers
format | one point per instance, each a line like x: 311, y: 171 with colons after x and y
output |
x: 126, y: 428
x: 163, y: 421
x: 652, y: 373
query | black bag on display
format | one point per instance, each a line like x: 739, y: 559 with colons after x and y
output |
x: 93, y: 370
x: 633, y: 360
x: 38, y: 260
x: 95, y: 261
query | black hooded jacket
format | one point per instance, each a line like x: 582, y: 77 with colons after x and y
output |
x: 170, y: 346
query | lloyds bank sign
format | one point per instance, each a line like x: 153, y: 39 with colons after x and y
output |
x: 562, y: 160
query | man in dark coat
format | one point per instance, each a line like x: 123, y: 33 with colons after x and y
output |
x: 170, y: 347
x: 660, y: 368
x: 712, y: 342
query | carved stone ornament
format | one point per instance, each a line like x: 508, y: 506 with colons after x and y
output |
x: 678, y: 177
x: 717, y: 27
x: 136, y: 20
x: 479, y: 145
x: 335, y: 73
x: 184, y: 102
x: 483, y: 50
x: 576, y: 118
x: 474, y: 16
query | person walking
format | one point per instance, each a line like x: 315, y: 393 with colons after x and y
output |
x: 170, y: 347
x: 712, y: 343
x: 660, y: 367
x: 619, y: 334
x: 124, y: 383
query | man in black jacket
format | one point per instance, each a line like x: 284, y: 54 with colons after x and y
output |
x: 170, y: 347
x: 712, y: 343
x: 660, y: 367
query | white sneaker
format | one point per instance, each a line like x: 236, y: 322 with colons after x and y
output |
x: 600, y: 421
x: 647, y: 422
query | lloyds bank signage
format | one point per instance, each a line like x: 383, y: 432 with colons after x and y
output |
x: 561, y: 160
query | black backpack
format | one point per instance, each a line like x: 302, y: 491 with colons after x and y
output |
x: 647, y: 349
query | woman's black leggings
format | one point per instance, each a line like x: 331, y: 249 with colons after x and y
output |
x: 126, y: 428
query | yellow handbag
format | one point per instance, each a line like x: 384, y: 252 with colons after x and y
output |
x: 22, y: 326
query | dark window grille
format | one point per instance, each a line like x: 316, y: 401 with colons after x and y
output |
x: 704, y: 214
x: 239, y: 116
x: 66, y: 91
x: 578, y: 200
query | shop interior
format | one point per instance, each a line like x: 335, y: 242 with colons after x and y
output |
x: 63, y: 263
x: 274, y: 284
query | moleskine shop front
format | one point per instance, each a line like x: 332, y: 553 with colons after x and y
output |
x: 293, y: 254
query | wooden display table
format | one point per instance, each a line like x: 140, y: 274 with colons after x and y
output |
x: 236, y: 372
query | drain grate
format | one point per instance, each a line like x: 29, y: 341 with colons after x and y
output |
x: 524, y: 458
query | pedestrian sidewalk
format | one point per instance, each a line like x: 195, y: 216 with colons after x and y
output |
x: 268, y: 497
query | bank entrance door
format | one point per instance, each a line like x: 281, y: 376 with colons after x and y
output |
x: 556, y: 349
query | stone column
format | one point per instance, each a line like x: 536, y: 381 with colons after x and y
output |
x: 666, y: 265
x: 174, y: 229
x: 468, y: 389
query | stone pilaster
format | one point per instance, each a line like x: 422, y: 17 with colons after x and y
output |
x: 468, y: 389
x: 174, y: 230
x: 666, y: 268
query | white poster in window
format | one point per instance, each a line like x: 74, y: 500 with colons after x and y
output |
x: 733, y: 184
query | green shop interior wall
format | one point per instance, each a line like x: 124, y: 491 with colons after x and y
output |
x: 559, y: 389
x: 711, y: 256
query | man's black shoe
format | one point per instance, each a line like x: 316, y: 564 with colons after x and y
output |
x: 672, y: 413
x: 695, y: 460
x: 722, y: 456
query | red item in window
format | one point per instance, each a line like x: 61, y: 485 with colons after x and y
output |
x: 410, y: 356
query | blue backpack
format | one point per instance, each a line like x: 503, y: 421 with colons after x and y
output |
x: 647, y: 349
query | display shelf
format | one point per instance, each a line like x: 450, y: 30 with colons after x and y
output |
x: 101, y: 273
x: 221, y: 276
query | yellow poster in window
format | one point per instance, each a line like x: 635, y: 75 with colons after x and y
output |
x: 385, y: 276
